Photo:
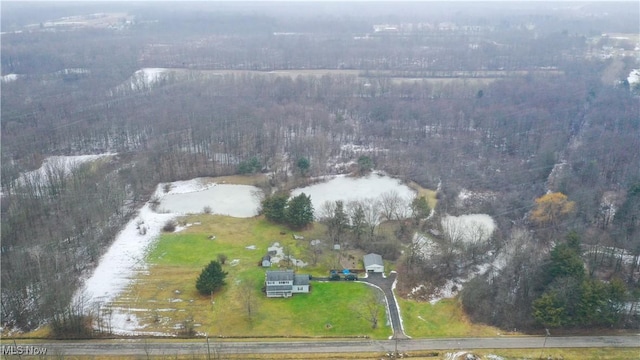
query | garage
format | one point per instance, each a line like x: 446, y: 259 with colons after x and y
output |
x: 373, y: 263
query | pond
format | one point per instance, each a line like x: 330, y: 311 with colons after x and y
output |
x: 223, y: 199
x: 347, y: 188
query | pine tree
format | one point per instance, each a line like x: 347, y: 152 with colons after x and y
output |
x: 299, y: 211
x: 211, y: 278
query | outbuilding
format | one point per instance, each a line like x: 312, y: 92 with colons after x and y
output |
x: 373, y: 263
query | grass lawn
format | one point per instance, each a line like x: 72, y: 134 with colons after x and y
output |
x: 165, y: 298
x: 442, y: 319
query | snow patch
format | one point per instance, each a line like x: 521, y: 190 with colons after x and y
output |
x: 9, y: 78
x: 469, y: 228
x: 634, y: 77
x: 279, y: 255
x: 63, y: 163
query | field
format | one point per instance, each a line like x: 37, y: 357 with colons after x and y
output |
x: 442, y: 319
x: 165, y: 299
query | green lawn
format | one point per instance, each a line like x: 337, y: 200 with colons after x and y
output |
x: 442, y: 319
x: 175, y: 261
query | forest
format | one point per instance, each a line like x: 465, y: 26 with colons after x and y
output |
x: 529, y: 107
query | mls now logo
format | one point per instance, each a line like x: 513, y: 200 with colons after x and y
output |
x: 23, y: 350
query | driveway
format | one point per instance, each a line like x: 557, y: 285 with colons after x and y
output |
x: 385, y: 284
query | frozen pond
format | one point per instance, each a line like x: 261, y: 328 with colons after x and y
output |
x: 347, y: 189
x: 223, y: 199
x: 469, y: 228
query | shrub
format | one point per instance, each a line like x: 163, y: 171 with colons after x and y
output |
x: 169, y: 226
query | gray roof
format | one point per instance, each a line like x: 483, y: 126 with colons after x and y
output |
x: 301, y: 280
x: 280, y: 275
x: 373, y: 259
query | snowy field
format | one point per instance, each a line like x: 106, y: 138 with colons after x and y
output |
x: 126, y: 256
x: 66, y: 163
x: 346, y: 188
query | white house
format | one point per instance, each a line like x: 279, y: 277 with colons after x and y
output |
x: 373, y: 263
x: 284, y: 283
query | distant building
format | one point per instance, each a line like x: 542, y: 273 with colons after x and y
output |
x: 373, y: 263
x: 266, y: 261
x: 285, y: 283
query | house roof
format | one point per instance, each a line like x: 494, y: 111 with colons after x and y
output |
x: 267, y: 257
x: 301, y: 279
x: 373, y: 259
x: 280, y: 275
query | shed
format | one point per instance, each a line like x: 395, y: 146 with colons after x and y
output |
x: 266, y: 261
x: 373, y: 263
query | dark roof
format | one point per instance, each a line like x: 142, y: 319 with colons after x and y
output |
x: 267, y: 257
x: 301, y: 280
x: 280, y: 275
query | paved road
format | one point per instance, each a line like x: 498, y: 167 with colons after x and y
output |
x: 127, y: 347
x: 385, y: 284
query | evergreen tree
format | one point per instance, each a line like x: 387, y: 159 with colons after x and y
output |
x: 211, y: 278
x: 303, y: 165
x: 273, y: 207
x: 299, y: 211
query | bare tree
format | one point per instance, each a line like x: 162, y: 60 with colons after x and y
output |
x: 247, y: 297
x: 371, y: 209
x: 372, y: 307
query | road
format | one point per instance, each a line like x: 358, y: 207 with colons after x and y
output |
x: 138, y: 347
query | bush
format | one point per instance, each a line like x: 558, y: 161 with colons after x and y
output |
x: 169, y: 226
x: 71, y: 323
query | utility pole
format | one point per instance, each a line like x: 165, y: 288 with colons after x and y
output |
x: 208, y: 349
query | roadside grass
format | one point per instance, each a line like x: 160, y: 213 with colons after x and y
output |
x: 442, y: 319
x: 164, y: 299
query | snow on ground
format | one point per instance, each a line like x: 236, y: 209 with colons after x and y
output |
x: 67, y: 163
x: 146, y: 78
x: 222, y: 199
x: 634, y: 77
x: 9, y: 78
x: 345, y: 188
x: 280, y: 256
x: 125, y: 258
x: 469, y: 227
